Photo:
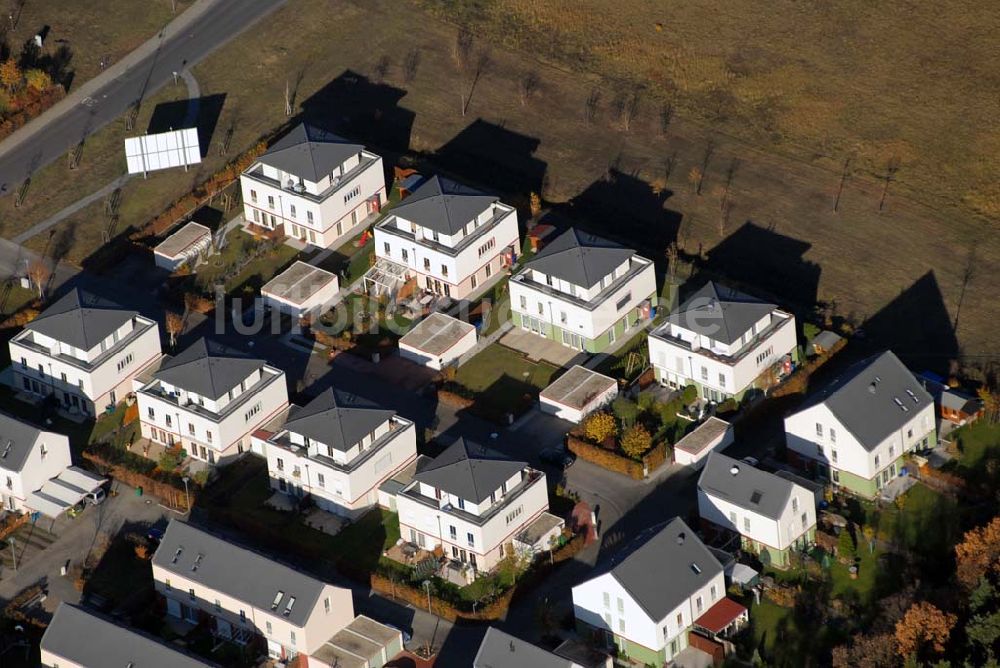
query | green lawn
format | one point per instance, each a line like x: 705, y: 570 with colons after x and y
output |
x: 254, y: 274
x: 976, y: 442
x: 500, y: 378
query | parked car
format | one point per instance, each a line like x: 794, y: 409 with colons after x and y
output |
x: 96, y: 497
x: 557, y: 457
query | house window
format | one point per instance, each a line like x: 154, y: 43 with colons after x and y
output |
x: 444, y: 270
x: 168, y: 420
x: 281, y: 464
x: 291, y: 638
x: 63, y: 375
x: 309, y: 216
x: 191, y: 429
x: 732, y: 517
x: 833, y: 453
x: 833, y: 435
x: 722, y: 380
x: 746, y: 524
x: 795, y: 504
x: 607, y: 600
x: 489, y: 270
x: 562, y: 317
x: 712, y: 592
x: 253, y: 196
x: 152, y: 413
x: 208, y: 436
x: 819, y: 430
x: 461, y: 505
x: 243, y: 616
x: 218, y: 605
x: 541, y: 308
x: 621, y: 605
x: 191, y: 594
x: 24, y: 362
x: 909, y: 433
x: 326, y: 605
x: 270, y: 201
x: 320, y: 480
x: 704, y: 373
x: 268, y: 627
x: 292, y: 210
x: 699, y: 604
x: 607, y: 619
x: 471, y: 539
x: 453, y: 532
x: 680, y: 621
x: 166, y: 583
x: 474, y: 282
x: 835, y: 475
x: 524, y: 303
x: 427, y: 264
x: 892, y: 451
x: 405, y: 254
x: 623, y: 302
x: 621, y: 625
x: 876, y: 461
x: 387, y: 248
x: 804, y: 521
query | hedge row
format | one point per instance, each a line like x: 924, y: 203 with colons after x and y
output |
x: 137, y: 471
x: 612, y: 461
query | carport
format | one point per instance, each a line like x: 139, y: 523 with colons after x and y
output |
x: 63, y: 492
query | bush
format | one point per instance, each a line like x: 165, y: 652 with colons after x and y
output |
x: 727, y: 406
x: 625, y: 410
x: 689, y: 394
x: 598, y: 427
x: 647, y: 402
x: 170, y: 459
x: 809, y: 331
x: 636, y: 441
x: 668, y: 411
x: 38, y: 80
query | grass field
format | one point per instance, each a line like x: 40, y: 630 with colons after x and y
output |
x: 91, y: 30
x: 772, y: 230
x: 500, y: 377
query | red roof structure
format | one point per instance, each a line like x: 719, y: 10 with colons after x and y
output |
x: 717, y: 618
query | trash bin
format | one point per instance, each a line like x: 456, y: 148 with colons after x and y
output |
x: 138, y: 491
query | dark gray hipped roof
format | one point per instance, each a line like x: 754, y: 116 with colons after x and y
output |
x: 17, y: 438
x: 864, y: 398
x: 719, y: 312
x: 469, y: 471
x: 502, y: 650
x: 80, y: 319
x: 580, y: 258
x: 236, y: 571
x: 749, y: 488
x: 667, y: 569
x: 309, y: 153
x: 208, y: 369
x: 337, y: 419
x: 86, y: 639
x: 443, y: 205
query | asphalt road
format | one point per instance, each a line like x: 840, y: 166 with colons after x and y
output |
x: 220, y: 22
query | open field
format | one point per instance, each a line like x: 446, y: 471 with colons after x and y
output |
x: 821, y: 81
x: 91, y: 30
x: 904, y: 270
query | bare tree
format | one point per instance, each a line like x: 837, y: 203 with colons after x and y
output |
x: 673, y: 255
x: 39, y: 274
x: 694, y: 178
x: 668, y: 166
x: 666, y: 116
x: 528, y: 87
x: 592, y: 104
x: 288, y: 99
x: 843, y: 180
x: 410, y: 65
x: 174, y: 326
x: 630, y: 110
x: 462, y: 51
x: 890, y: 174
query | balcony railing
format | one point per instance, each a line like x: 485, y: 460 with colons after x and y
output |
x: 389, y: 226
x: 531, y: 478
x: 636, y: 266
x: 26, y: 340
x: 779, y: 319
x: 256, y: 173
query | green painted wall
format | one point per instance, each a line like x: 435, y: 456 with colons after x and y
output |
x: 637, y: 652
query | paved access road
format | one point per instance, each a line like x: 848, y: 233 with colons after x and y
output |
x: 205, y: 26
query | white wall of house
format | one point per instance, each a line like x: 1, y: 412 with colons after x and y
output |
x: 338, y: 491
x: 132, y: 349
x: 777, y: 533
x: 604, y: 604
x: 566, y: 314
x: 816, y: 433
x: 320, y: 624
x: 437, y: 362
x: 317, y: 303
x: 326, y: 222
x: 679, y: 365
x: 487, y: 539
x: 223, y: 434
x: 49, y: 456
x: 424, y: 260
x: 572, y: 413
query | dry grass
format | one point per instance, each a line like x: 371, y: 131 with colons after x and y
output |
x: 816, y: 79
x: 862, y: 259
x: 92, y: 30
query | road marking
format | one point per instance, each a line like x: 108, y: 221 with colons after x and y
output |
x: 88, y: 101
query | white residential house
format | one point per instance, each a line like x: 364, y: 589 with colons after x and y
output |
x: 29, y: 458
x: 856, y: 431
x: 473, y: 502
x: 314, y: 186
x: 721, y: 341
x: 647, y: 603
x: 453, y: 240
x: 78, y: 638
x: 210, y: 399
x: 243, y: 594
x: 583, y: 291
x: 774, y: 516
x: 83, y: 350
x: 338, y: 448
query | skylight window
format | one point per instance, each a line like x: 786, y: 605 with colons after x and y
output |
x: 913, y: 396
x: 277, y: 600
x: 197, y: 562
x: 696, y: 569
x: 288, y: 607
x: 756, y: 496
x: 177, y: 554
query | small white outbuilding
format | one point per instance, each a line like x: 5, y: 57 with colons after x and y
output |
x: 577, y: 393
x: 437, y: 341
x: 301, y: 289
x: 182, y: 246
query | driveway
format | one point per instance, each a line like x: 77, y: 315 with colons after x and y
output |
x: 75, y: 537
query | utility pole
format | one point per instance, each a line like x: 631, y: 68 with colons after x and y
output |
x: 427, y: 586
x: 13, y: 554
